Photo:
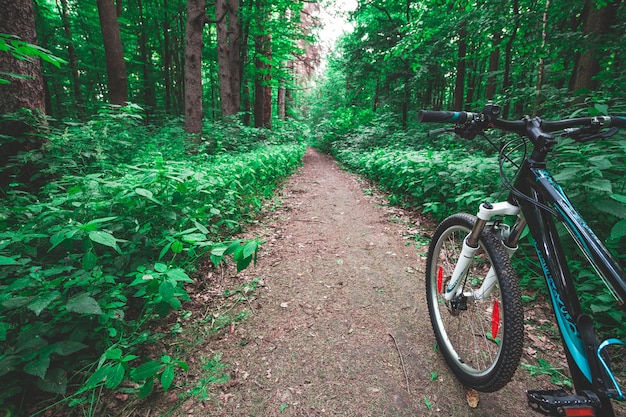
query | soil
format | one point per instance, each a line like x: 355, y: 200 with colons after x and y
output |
x: 339, y: 324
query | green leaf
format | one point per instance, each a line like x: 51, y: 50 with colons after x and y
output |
x: 67, y: 347
x: 3, y: 331
x: 167, y: 377
x: 233, y: 247
x: 146, y: 389
x: 115, y: 376
x: 38, y: 367
x: 102, y: 220
x: 596, y: 308
x: 5, y: 260
x: 619, y: 230
x: 147, y: 194
x: 250, y: 249
x: 166, y: 290
x: 54, y: 382
x: 145, y: 371
x: 89, y: 261
x: 57, y: 238
x: 98, y: 376
x: 165, y: 249
x: 619, y: 197
x: 243, y: 263
x: 201, y: 227
x: 177, y: 246
x: 83, y: 304
x: 219, y: 250
x: 603, y: 109
x: 104, y: 238
x: 600, y: 185
x: 113, y: 353
x: 160, y: 267
x: 42, y: 301
x: 177, y: 274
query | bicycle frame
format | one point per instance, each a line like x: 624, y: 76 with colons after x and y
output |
x: 539, y: 203
x: 582, y: 349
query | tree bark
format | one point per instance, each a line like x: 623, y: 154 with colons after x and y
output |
x: 459, y: 88
x: 229, y: 55
x: 148, y: 90
x: 196, y: 19
x: 18, y: 18
x: 541, y: 65
x: 114, y: 53
x: 262, y: 84
x: 494, y: 61
x: 73, y: 61
x: 506, y: 79
x: 597, y: 22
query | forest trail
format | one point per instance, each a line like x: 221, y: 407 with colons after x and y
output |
x: 340, y: 325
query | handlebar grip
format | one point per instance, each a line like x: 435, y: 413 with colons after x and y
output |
x: 618, y: 121
x: 444, y: 116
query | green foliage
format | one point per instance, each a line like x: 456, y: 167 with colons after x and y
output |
x: 557, y: 377
x: 26, y: 52
x: 107, y: 245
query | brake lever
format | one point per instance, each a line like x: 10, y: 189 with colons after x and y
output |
x: 589, y: 133
x: 440, y: 131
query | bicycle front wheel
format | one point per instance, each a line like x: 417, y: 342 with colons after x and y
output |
x: 479, y: 332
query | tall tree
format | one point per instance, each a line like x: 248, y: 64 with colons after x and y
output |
x: 196, y: 19
x: 263, y: 86
x: 459, y: 88
x: 114, y: 53
x: 25, y: 88
x: 72, y: 59
x: 597, y: 22
x: 229, y: 54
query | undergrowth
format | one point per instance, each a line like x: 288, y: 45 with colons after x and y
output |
x: 106, y: 246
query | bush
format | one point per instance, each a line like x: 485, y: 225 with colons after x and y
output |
x: 106, y: 246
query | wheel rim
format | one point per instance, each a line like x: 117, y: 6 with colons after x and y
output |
x: 472, y: 337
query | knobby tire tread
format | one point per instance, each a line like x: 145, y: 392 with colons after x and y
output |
x: 513, y: 338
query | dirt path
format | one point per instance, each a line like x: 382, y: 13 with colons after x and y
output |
x: 340, y: 327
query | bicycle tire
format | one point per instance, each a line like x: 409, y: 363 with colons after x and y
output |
x: 479, y: 359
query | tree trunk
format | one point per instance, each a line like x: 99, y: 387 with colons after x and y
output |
x: 229, y: 55
x: 459, y: 88
x: 149, y: 96
x: 196, y: 19
x: 263, y: 89
x: 18, y: 19
x: 541, y: 66
x: 281, y: 101
x: 28, y: 92
x: 114, y: 53
x: 73, y: 61
x: 597, y: 22
x: 506, y: 79
x: 494, y: 61
x: 167, y: 58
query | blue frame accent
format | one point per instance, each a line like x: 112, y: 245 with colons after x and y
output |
x: 569, y: 330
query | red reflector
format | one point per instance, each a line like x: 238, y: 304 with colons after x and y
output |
x: 495, y: 319
x: 579, y: 412
x: 439, y: 280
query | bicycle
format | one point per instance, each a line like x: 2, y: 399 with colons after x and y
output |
x: 473, y: 295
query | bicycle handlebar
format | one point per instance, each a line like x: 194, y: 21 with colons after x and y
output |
x: 518, y: 126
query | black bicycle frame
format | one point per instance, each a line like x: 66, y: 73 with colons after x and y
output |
x: 576, y: 328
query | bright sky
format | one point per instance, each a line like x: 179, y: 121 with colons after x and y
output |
x: 334, y: 18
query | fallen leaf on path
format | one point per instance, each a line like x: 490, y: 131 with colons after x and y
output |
x: 472, y: 398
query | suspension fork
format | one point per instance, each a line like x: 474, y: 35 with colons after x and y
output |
x: 470, y: 245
